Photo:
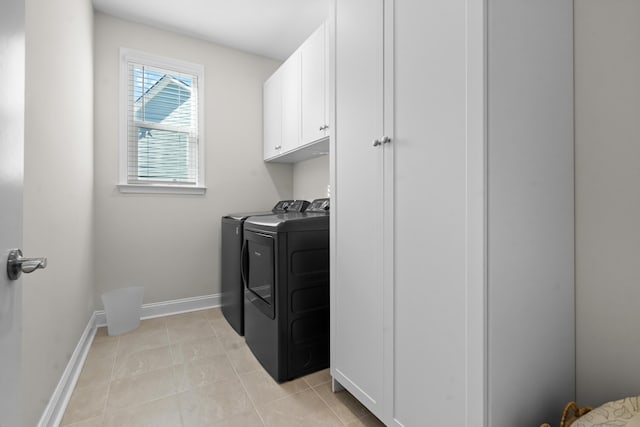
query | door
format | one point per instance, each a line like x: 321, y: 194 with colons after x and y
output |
x: 313, y: 87
x: 258, y: 271
x: 272, y: 104
x: 291, y: 102
x: 357, y: 349
x: 430, y: 153
x: 12, y: 51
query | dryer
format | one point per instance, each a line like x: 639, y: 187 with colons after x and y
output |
x: 285, y: 270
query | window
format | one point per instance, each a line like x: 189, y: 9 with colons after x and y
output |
x: 161, y: 129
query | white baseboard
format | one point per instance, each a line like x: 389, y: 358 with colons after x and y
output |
x: 168, y: 308
x: 53, y: 413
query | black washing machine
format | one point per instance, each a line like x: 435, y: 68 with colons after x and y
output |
x: 230, y: 279
x: 285, y: 269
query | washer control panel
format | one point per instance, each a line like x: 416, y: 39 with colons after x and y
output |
x: 319, y: 205
x: 298, y: 206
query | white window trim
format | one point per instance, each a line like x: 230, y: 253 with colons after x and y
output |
x: 127, y: 55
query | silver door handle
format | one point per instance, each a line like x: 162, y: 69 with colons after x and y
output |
x: 17, y: 264
x: 383, y: 140
x: 325, y: 127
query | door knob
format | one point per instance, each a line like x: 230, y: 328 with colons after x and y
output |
x: 17, y: 264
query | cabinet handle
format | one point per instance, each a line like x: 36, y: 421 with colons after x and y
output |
x: 278, y: 147
x: 325, y: 127
x: 383, y: 140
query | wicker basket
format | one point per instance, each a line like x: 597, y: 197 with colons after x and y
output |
x: 570, y: 414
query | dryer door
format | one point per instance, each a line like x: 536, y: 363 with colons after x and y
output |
x: 258, y: 271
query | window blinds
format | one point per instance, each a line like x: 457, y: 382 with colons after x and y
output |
x: 162, y: 142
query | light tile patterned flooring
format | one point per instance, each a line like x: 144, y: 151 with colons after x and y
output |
x: 192, y: 369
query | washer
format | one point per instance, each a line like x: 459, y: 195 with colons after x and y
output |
x: 285, y: 269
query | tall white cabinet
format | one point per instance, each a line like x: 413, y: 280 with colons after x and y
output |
x: 452, y: 216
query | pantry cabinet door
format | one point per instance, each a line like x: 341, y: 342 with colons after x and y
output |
x: 357, y: 288
x: 430, y: 151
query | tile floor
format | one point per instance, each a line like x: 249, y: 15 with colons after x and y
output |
x: 192, y: 369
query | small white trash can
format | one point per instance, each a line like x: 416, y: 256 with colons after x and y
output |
x: 122, y: 308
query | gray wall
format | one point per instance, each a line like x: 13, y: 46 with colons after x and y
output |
x: 170, y: 243
x: 311, y: 178
x: 58, y: 187
x: 607, y: 108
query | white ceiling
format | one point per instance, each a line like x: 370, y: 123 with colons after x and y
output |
x: 272, y: 28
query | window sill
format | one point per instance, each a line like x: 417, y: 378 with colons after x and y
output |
x: 161, y: 189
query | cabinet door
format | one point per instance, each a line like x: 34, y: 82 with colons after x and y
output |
x: 272, y: 115
x: 313, y: 92
x: 430, y: 214
x: 357, y: 288
x: 291, y: 102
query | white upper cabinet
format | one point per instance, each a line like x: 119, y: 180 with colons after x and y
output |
x: 290, y: 71
x: 295, y: 101
x: 314, y: 61
x: 272, y: 115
